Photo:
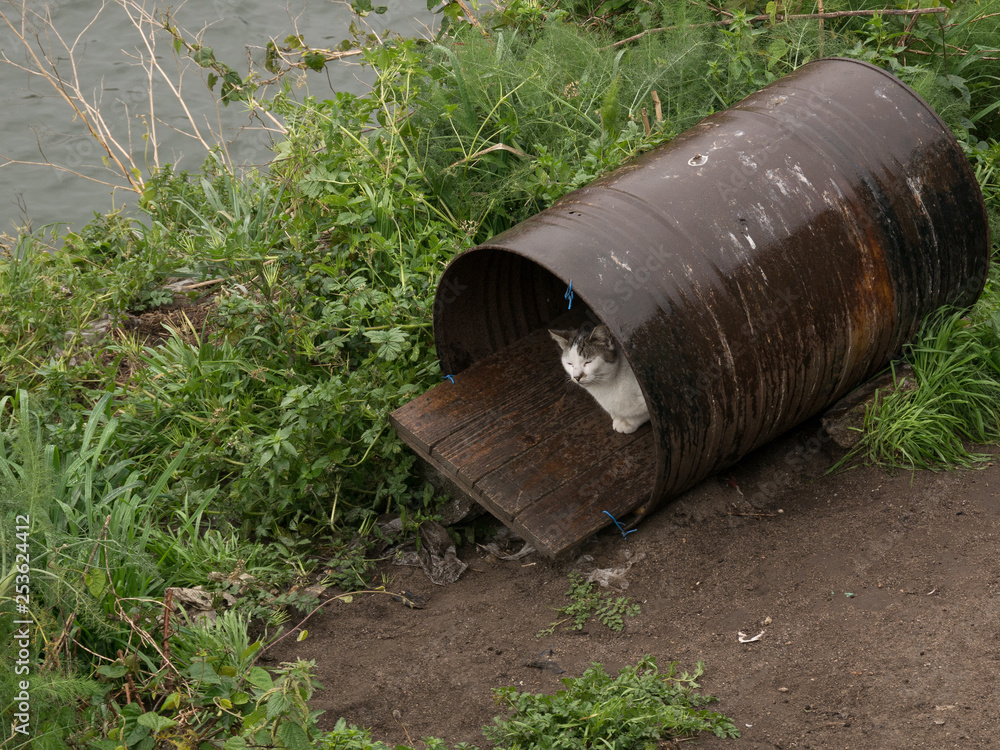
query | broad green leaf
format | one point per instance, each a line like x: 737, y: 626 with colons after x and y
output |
x: 293, y: 736
x: 260, y: 678
x: 391, y: 343
x: 172, y: 702
x: 314, y: 60
x: 96, y: 581
x: 204, y: 56
x: 156, y: 722
x: 114, y: 671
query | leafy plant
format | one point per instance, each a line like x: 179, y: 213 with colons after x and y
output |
x: 639, y: 707
x: 589, y: 602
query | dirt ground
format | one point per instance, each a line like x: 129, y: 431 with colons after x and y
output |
x: 878, y: 597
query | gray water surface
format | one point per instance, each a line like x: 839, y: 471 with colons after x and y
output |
x: 37, y: 125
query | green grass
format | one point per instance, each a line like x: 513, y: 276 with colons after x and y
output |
x: 955, y: 401
x: 640, y: 708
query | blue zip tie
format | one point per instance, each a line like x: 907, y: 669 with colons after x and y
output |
x: 569, y: 294
x: 449, y: 377
x: 618, y: 524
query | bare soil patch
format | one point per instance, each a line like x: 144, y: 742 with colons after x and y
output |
x: 186, y: 317
x: 878, y: 595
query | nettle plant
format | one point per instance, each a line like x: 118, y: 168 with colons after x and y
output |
x: 637, y: 709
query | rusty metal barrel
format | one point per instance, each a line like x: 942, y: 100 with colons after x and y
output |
x: 753, y: 270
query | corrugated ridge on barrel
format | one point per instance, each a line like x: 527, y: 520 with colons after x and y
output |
x: 754, y: 269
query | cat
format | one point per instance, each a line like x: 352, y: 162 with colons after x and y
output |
x: 590, y: 357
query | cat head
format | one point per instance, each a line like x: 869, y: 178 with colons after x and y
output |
x: 589, y: 355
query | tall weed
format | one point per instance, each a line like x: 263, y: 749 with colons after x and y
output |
x: 956, y: 364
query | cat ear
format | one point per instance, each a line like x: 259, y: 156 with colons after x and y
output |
x: 563, y: 338
x: 602, y: 337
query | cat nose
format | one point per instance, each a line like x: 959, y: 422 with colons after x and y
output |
x: 577, y: 377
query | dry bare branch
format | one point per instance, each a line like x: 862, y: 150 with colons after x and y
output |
x: 43, y: 54
x: 46, y: 54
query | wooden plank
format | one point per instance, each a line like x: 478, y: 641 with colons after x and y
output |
x: 619, y: 483
x: 561, y: 457
x: 508, y: 426
x: 531, y: 447
x: 488, y: 386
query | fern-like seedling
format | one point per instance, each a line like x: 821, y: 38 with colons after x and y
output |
x: 588, y: 602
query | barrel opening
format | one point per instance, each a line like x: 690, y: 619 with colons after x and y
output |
x: 489, y: 298
x: 518, y: 298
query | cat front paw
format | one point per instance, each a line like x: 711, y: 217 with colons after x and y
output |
x: 624, y: 426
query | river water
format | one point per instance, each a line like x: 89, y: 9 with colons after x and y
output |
x: 38, y: 126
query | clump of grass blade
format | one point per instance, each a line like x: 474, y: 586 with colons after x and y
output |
x: 956, y: 399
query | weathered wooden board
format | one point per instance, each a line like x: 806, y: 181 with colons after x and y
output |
x: 530, y: 446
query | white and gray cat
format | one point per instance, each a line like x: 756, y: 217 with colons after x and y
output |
x: 590, y: 357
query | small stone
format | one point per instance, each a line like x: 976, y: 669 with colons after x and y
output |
x: 782, y: 690
x: 767, y: 620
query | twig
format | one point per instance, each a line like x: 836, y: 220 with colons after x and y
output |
x: 944, y: 42
x: 819, y: 30
x: 656, y: 105
x: 790, y: 17
x: 328, y: 54
x: 168, y: 603
x: 717, y: 9
x: 44, y: 66
x: 200, y: 284
x: 960, y: 53
x: 907, y: 32
x: 472, y: 19
x: 142, y: 16
x: 54, y: 653
x: 406, y: 600
x: 8, y: 161
x: 129, y: 682
x: 850, y: 14
x: 495, y: 147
